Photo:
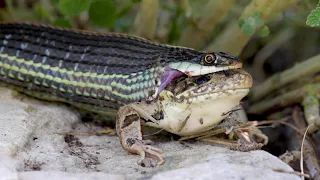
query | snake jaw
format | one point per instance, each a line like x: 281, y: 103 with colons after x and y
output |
x: 193, y: 69
x: 168, y: 76
x: 178, y: 69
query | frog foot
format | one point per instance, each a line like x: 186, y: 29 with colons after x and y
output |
x: 249, y: 138
x: 128, y: 128
x: 146, y: 150
x: 248, y: 135
x: 251, y: 134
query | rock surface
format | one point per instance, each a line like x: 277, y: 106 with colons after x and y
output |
x: 34, y: 146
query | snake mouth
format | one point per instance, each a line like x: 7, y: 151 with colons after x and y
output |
x: 228, y: 82
x: 182, y: 70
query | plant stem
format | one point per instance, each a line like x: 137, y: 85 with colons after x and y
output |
x: 186, y: 7
x: 292, y: 97
x: 305, y: 68
x: 212, y: 13
x: 232, y: 40
x: 146, y: 19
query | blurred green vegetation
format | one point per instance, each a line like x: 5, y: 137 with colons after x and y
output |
x: 172, y: 20
x: 242, y: 28
x: 246, y: 28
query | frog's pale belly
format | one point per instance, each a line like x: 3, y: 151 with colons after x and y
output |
x: 198, y: 117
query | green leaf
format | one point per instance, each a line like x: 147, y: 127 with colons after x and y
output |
x: 247, y: 29
x: 255, y: 20
x: 264, y: 31
x: 241, y: 23
x: 314, y: 18
x: 249, y: 25
x: 62, y: 23
x: 256, y: 15
x: 73, y: 7
x: 103, y: 13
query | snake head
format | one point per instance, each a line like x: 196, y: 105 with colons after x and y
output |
x: 205, y: 63
x: 195, y: 63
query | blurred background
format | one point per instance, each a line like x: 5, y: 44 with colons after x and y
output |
x: 278, y: 41
x: 268, y: 35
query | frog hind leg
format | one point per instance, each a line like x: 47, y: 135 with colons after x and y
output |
x: 128, y: 127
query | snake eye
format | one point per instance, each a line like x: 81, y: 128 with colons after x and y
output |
x: 209, y: 58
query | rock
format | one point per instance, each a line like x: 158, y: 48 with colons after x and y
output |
x: 232, y: 165
x: 34, y: 145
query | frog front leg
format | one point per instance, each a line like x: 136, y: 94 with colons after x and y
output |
x: 128, y: 128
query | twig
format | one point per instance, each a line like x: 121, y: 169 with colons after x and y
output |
x: 306, y: 68
x: 106, y: 131
x: 293, y: 127
x: 306, y: 95
x: 217, y: 141
x: 301, y: 155
x: 211, y: 132
x: 146, y: 135
x: 282, y: 121
x: 292, y: 172
x: 310, y: 150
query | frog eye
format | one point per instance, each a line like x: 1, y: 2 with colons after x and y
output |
x: 209, y: 58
